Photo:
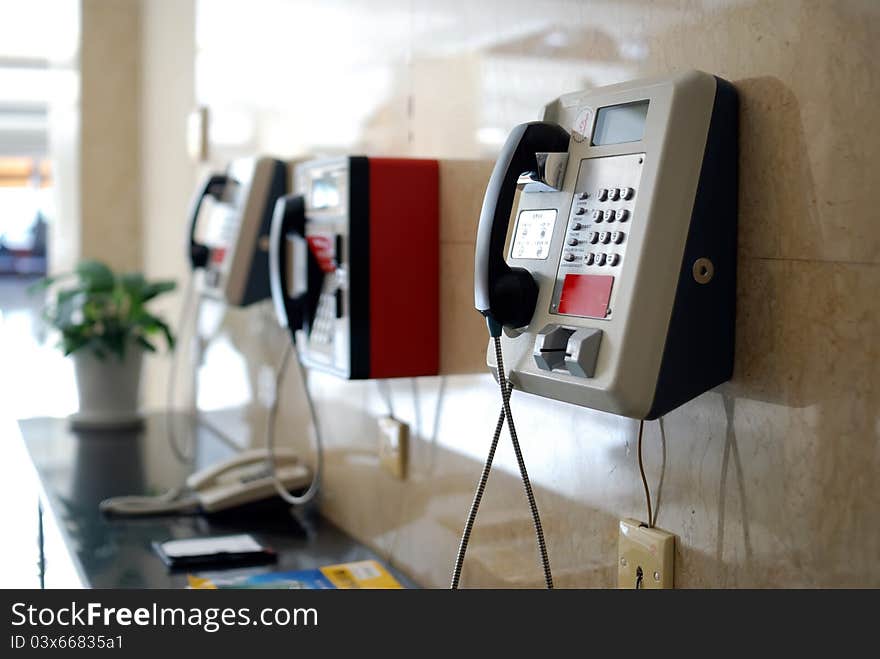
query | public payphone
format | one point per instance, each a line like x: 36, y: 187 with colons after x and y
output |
x: 230, y: 239
x: 355, y: 259
x: 615, y: 288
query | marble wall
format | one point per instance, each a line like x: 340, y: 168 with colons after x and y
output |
x: 109, y: 138
x: 769, y: 480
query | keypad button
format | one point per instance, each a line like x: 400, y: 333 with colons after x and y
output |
x: 626, y: 193
x: 597, y: 216
x: 613, y: 259
x: 614, y: 194
x: 609, y: 216
x: 573, y: 241
x: 580, y: 211
x: 589, y: 258
x: 569, y: 257
x: 600, y: 259
x: 622, y: 215
x: 602, y: 194
x: 604, y: 237
x: 583, y: 195
x: 617, y: 237
x: 593, y: 237
x: 577, y: 226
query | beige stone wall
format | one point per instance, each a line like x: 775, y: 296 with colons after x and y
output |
x: 768, y: 480
x: 168, y: 177
x: 110, y: 114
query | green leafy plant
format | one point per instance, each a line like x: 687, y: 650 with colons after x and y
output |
x: 104, y: 312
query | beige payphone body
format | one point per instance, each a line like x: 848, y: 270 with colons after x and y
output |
x: 616, y: 282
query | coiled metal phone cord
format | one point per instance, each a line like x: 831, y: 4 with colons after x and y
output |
x: 506, y: 389
x: 315, y: 485
x: 475, y: 504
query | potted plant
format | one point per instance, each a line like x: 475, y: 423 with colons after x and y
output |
x: 106, y: 328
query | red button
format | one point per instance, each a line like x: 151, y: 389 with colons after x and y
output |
x: 322, y: 248
x: 586, y: 295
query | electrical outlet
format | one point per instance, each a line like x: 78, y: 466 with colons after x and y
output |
x: 393, y: 446
x: 645, y: 557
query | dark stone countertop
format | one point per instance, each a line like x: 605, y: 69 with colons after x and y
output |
x: 77, y: 470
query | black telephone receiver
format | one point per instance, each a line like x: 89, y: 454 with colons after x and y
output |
x: 213, y: 186
x: 507, y: 296
x: 294, y: 306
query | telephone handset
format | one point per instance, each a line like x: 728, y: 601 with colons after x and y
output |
x: 243, y: 479
x: 506, y: 295
x: 246, y: 478
x: 213, y: 186
x: 295, y: 275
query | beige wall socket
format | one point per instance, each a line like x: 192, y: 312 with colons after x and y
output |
x: 393, y: 446
x: 645, y: 557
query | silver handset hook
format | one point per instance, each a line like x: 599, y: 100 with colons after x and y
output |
x: 549, y: 175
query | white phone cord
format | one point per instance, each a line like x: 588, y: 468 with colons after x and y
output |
x: 315, y: 485
x: 184, y: 455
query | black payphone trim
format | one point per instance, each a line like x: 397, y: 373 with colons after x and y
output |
x: 699, y: 350
x: 358, y: 244
x: 257, y: 285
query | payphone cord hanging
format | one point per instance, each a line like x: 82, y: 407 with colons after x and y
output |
x: 183, y: 454
x: 506, y: 389
x: 644, y: 478
x: 314, y: 486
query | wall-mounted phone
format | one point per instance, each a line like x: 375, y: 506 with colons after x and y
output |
x: 229, y: 240
x: 616, y: 282
x: 355, y: 265
x: 244, y: 479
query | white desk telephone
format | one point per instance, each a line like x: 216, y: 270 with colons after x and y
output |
x: 244, y: 479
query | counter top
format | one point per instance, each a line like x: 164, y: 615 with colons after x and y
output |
x: 76, y: 470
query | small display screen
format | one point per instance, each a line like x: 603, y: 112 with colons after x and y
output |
x: 534, y: 231
x: 616, y: 124
x: 325, y: 192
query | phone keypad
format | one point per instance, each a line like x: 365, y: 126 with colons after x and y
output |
x: 325, y: 319
x: 601, y: 214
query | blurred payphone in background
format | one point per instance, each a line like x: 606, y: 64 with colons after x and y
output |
x: 355, y: 265
x: 229, y: 235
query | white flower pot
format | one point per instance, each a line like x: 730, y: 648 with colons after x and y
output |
x: 109, y: 389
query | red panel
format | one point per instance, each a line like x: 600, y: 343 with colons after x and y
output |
x: 404, y: 267
x: 321, y: 245
x: 218, y: 254
x: 586, y: 295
